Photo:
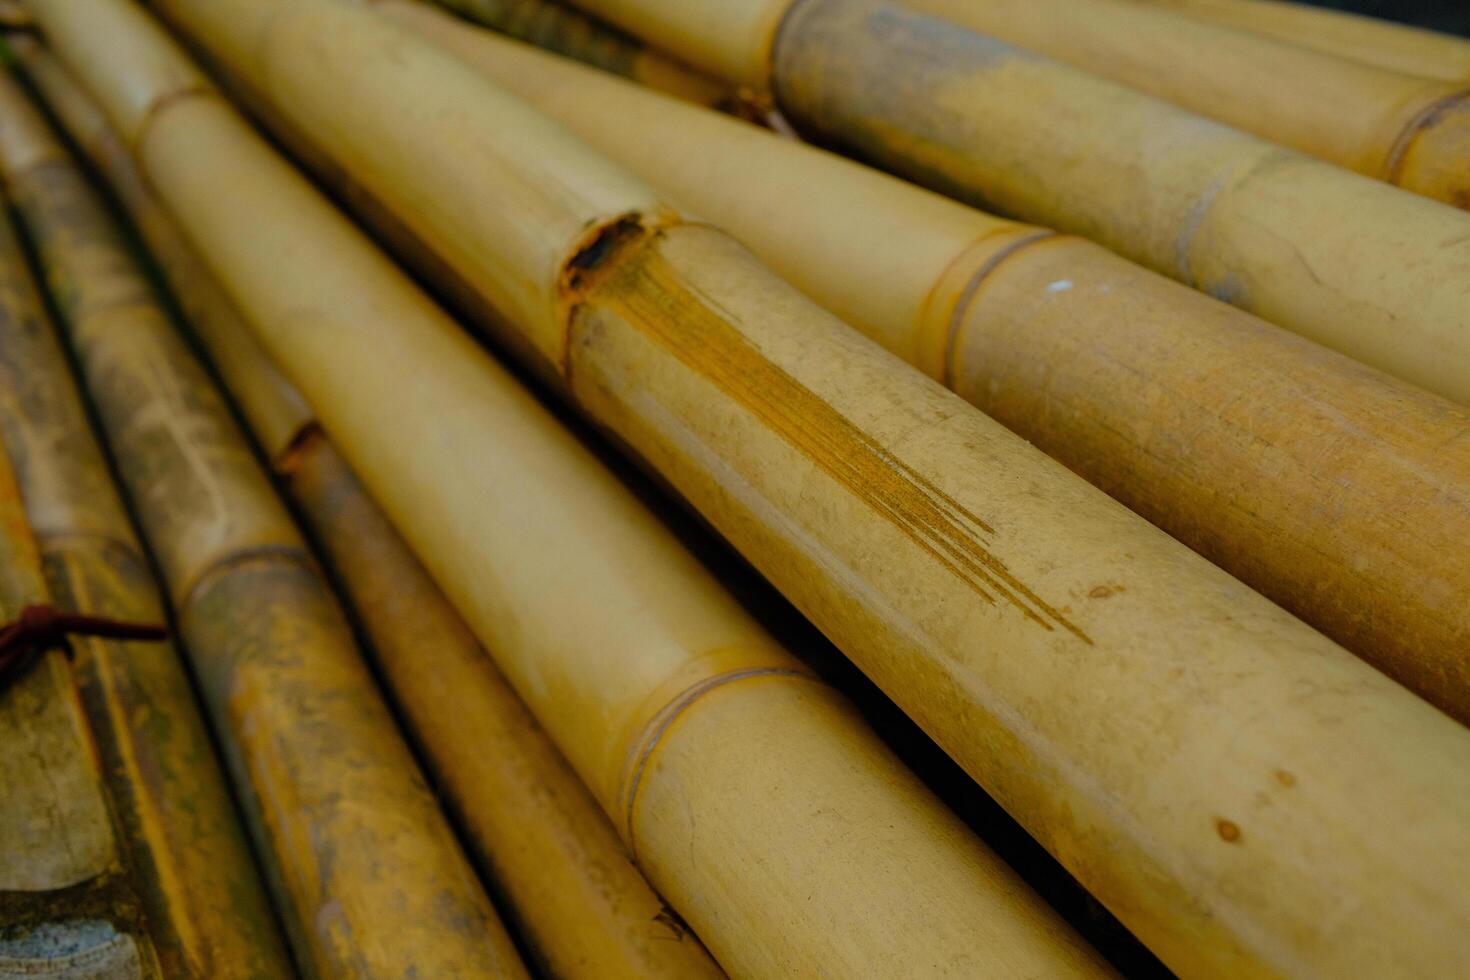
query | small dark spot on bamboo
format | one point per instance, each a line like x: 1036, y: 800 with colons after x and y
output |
x: 1229, y: 832
x: 1103, y: 591
x: 1285, y: 778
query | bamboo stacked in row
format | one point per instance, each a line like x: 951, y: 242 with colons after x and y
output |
x: 367, y: 874
x: 1138, y: 710
x: 1350, y: 262
x: 207, y: 912
x: 66, y: 897
x: 1400, y: 127
x: 659, y: 689
x: 575, y: 898
x: 1328, y: 488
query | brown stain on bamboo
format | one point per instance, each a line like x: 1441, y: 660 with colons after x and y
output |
x: 636, y: 282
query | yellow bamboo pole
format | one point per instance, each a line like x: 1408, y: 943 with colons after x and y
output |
x: 1408, y: 130
x: 67, y: 902
x: 585, y: 910
x: 368, y: 875
x: 586, y: 39
x: 1331, y: 491
x: 773, y: 820
x: 1195, y: 755
x: 207, y: 912
x: 1397, y: 47
x: 1349, y: 262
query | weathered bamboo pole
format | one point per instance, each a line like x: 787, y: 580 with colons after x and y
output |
x: 1331, y: 491
x: 1397, y: 47
x: 1193, y: 753
x: 66, y: 899
x: 585, y: 910
x: 587, y: 39
x: 368, y: 875
x: 1352, y: 263
x: 661, y: 691
x: 207, y: 913
x: 1407, y: 130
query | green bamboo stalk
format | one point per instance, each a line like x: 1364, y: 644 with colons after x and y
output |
x: 366, y: 871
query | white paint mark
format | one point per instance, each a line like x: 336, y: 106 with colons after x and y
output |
x: 1060, y: 286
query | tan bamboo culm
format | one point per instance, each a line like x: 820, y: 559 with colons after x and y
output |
x: 368, y: 876
x: 1138, y: 710
x: 1330, y: 490
x: 207, y: 912
x: 1347, y: 261
x: 65, y: 894
x: 583, y: 908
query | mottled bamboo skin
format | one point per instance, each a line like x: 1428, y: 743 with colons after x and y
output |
x: 834, y: 859
x: 66, y: 900
x: 1346, y: 261
x: 1397, y: 47
x: 207, y: 911
x: 578, y: 36
x: 1331, y: 488
x: 583, y: 908
x: 1194, y: 754
x: 1354, y: 115
x: 368, y: 875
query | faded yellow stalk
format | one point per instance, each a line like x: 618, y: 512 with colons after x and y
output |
x: 1331, y: 488
x: 585, y: 910
x: 1352, y: 263
x: 1141, y: 712
x: 368, y: 876
x: 207, y: 912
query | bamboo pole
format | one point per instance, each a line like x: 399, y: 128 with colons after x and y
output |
x: 207, y: 913
x: 66, y: 900
x: 585, y: 909
x: 1351, y: 263
x: 1192, y: 753
x: 367, y: 873
x: 774, y: 821
x: 587, y: 39
x: 1331, y: 491
x: 1407, y: 130
x: 1397, y: 47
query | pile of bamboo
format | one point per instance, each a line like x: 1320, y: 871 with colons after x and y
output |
x: 1154, y: 515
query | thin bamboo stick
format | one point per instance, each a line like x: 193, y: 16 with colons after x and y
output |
x: 586, y: 39
x: 1331, y: 490
x: 1407, y: 130
x: 584, y: 908
x: 1397, y: 47
x: 367, y: 873
x: 1349, y: 262
x: 769, y: 815
x: 66, y: 899
x: 1194, y: 754
x: 207, y: 912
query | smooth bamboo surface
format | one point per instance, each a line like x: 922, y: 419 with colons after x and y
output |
x: 67, y: 902
x: 1398, y: 47
x: 1349, y: 262
x: 207, y: 912
x: 586, y: 39
x: 1195, y: 755
x: 774, y: 821
x: 1408, y: 130
x: 367, y: 872
x: 584, y: 909
x: 1332, y: 490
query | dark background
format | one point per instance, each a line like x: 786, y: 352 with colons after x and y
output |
x: 1442, y: 15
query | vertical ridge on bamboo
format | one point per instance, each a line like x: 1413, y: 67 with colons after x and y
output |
x: 1137, y: 709
x: 1355, y: 264
x: 1331, y: 490
x: 207, y: 912
x: 367, y: 873
x: 585, y: 910
x: 66, y: 897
